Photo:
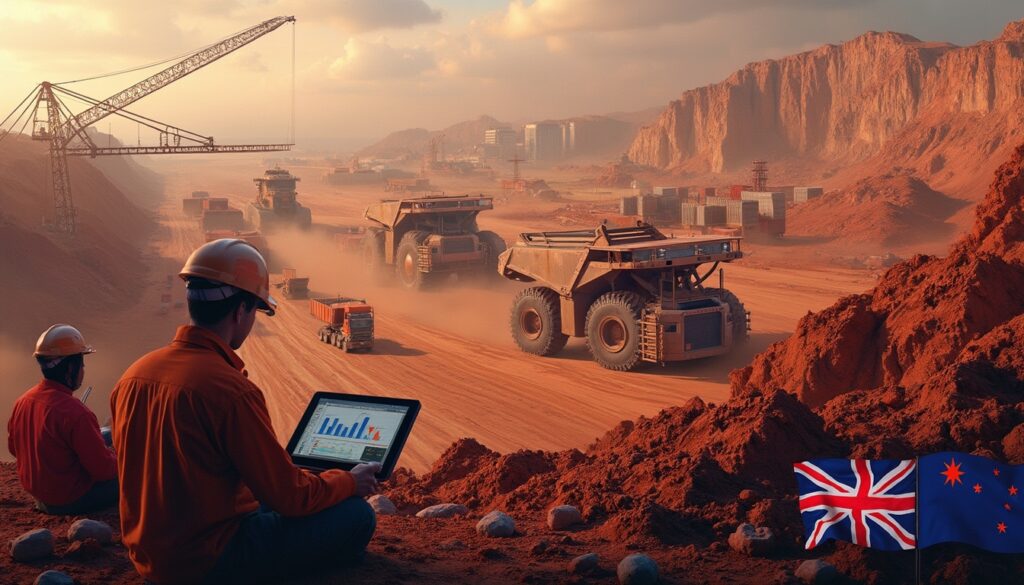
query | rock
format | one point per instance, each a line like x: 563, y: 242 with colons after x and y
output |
x: 86, y: 528
x: 755, y: 542
x: 442, y: 511
x: 816, y: 571
x: 638, y: 569
x: 747, y: 495
x: 382, y: 505
x: 454, y: 544
x: 83, y: 550
x: 496, y: 524
x: 562, y: 517
x: 539, y: 548
x: 53, y: 578
x: 33, y: 545
x: 583, y: 564
x: 491, y: 554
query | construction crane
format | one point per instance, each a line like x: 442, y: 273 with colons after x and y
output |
x: 53, y: 122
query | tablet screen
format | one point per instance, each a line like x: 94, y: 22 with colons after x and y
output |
x: 350, y: 432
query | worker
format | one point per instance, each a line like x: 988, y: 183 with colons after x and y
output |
x: 63, y: 461
x: 207, y: 492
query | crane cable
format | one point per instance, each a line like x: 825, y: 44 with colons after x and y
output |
x: 292, y: 139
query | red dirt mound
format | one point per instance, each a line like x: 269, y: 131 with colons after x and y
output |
x: 890, y: 210
x: 929, y: 359
x: 671, y: 478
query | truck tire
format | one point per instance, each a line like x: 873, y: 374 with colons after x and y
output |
x: 373, y: 254
x: 495, y: 246
x: 737, y: 312
x: 537, y: 321
x: 613, y: 330
x: 407, y: 261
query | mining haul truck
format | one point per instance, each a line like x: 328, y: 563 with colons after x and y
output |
x: 276, y: 204
x: 633, y: 293
x: 349, y: 322
x: 428, y: 238
x: 293, y: 286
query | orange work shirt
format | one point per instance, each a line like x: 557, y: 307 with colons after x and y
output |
x: 57, y: 443
x: 195, y: 452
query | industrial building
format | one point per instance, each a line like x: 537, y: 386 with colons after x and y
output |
x: 543, y: 141
x: 499, y: 143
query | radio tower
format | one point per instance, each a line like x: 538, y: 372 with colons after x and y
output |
x: 760, y: 176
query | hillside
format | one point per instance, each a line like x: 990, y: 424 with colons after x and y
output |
x: 412, y: 143
x: 93, y: 272
x: 948, y: 113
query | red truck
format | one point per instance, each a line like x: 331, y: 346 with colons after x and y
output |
x: 349, y: 322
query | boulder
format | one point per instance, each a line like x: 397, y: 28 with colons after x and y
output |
x: 442, y: 511
x: 83, y: 550
x: 583, y: 564
x: 751, y: 541
x: 32, y: 545
x: 382, y: 505
x: 816, y: 572
x: 86, y: 528
x: 638, y: 569
x: 53, y: 578
x: 562, y: 517
x: 496, y: 524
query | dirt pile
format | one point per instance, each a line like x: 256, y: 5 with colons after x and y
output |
x: 886, y: 210
x: 674, y: 478
x: 616, y: 175
x: 931, y: 358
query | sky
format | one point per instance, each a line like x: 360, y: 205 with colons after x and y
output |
x: 364, y: 68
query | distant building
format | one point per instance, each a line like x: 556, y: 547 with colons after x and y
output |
x: 500, y: 142
x: 543, y: 141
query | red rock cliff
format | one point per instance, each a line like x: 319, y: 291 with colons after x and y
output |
x: 843, y: 103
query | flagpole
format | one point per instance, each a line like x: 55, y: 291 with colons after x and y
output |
x: 917, y: 521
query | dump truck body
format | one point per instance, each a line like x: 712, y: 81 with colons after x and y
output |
x: 430, y: 235
x: 348, y: 322
x: 635, y: 294
x: 292, y: 285
x: 276, y: 203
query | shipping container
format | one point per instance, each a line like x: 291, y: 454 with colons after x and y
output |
x: 688, y: 214
x: 627, y: 205
x: 646, y: 206
x: 771, y: 204
x: 711, y: 215
x: 804, y: 194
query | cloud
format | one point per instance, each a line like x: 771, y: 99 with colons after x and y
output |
x: 360, y: 16
x: 553, y: 17
x: 377, y: 60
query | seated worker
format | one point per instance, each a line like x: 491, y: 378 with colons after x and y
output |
x: 197, y: 455
x: 62, y: 458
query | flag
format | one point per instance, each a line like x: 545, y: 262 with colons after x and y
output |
x: 971, y: 499
x: 870, y: 503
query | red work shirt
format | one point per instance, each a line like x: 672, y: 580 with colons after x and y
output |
x: 195, y: 451
x: 56, y: 440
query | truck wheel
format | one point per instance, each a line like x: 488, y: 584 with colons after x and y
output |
x: 537, y: 321
x: 737, y: 312
x: 495, y: 246
x: 344, y: 345
x: 613, y: 330
x: 407, y: 261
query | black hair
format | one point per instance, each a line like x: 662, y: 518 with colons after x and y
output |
x: 213, y: 312
x: 65, y: 369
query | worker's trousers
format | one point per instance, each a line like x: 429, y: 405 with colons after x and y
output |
x: 271, y: 547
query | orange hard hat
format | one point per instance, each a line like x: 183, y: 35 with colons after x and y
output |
x: 61, y: 340
x: 235, y: 263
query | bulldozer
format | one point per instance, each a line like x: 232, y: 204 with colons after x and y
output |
x: 276, y: 204
x: 426, y: 239
x: 635, y: 294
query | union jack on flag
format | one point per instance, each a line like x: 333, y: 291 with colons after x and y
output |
x: 870, y: 503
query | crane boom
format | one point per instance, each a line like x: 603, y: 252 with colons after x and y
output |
x: 171, y: 74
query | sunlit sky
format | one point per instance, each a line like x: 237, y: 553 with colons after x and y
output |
x: 367, y: 67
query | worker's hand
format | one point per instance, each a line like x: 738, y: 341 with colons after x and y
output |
x: 365, y: 478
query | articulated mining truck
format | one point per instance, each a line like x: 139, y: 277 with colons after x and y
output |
x: 425, y: 239
x: 633, y: 293
x: 276, y: 204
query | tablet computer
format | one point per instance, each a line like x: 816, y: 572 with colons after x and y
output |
x: 340, y: 431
